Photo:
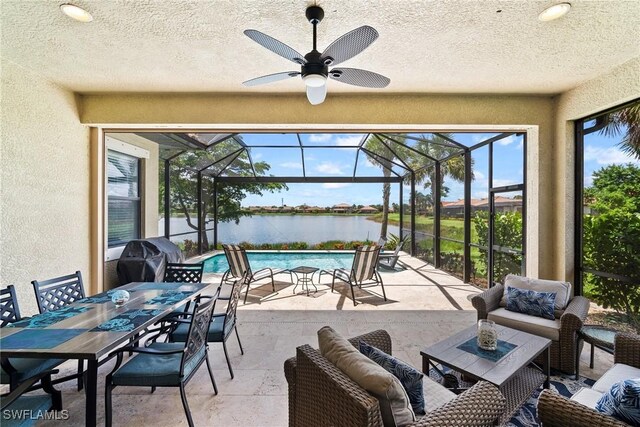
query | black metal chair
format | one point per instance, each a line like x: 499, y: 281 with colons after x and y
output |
x: 222, y: 325
x: 15, y: 407
x: 60, y: 292
x: 160, y: 364
x: 16, y: 370
x: 183, y: 273
x: 364, y: 271
x: 389, y: 261
x: 240, y: 268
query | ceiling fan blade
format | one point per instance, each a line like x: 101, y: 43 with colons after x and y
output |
x: 358, y: 77
x: 276, y: 46
x: 349, y: 45
x: 270, y: 78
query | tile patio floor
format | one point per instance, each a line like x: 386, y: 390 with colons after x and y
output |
x: 424, y: 306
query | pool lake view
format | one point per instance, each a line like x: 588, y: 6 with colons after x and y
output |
x: 284, y: 260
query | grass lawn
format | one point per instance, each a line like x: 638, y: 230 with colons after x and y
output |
x: 452, y: 228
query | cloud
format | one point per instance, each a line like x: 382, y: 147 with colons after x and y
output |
x: 480, y: 195
x: 330, y: 168
x: 607, y: 155
x: 256, y: 156
x: 588, y: 180
x: 291, y: 165
x: 478, y: 175
x: 348, y: 141
x: 320, y: 137
x: 335, y: 184
x: 507, y: 141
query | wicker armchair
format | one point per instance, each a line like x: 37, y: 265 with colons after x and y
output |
x: 562, y: 351
x: 321, y: 395
x: 555, y: 410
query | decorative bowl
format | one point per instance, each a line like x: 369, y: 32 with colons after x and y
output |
x: 120, y: 297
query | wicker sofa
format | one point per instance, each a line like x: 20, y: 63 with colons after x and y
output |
x: 322, y: 395
x: 563, y: 356
x: 555, y: 410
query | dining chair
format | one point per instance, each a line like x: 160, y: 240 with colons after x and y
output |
x: 161, y: 364
x: 221, y: 327
x: 363, y: 273
x: 239, y: 268
x: 14, y: 405
x: 59, y: 292
x: 15, y: 370
x: 183, y: 272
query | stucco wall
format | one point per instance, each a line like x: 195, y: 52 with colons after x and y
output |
x: 615, y: 88
x: 44, y: 183
x: 364, y: 112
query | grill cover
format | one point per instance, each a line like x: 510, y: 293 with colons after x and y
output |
x: 144, y: 260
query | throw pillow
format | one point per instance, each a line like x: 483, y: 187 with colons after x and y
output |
x: 534, y: 303
x: 410, y: 378
x: 622, y: 401
x: 367, y: 374
x: 562, y: 289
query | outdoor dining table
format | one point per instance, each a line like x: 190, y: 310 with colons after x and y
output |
x: 92, y: 327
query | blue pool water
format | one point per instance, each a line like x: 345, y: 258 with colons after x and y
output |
x: 285, y: 260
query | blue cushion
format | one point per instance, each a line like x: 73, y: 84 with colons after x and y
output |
x: 28, y: 368
x: 622, y: 401
x: 216, y: 334
x: 410, y: 378
x: 157, y: 369
x: 540, y: 304
x: 24, y: 411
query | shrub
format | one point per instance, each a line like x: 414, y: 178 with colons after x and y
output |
x: 508, y: 232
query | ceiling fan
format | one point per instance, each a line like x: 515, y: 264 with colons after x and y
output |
x: 315, y: 65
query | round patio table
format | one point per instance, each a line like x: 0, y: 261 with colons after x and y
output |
x: 598, y: 336
x: 304, y: 277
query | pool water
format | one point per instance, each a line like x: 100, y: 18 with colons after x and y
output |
x: 285, y: 260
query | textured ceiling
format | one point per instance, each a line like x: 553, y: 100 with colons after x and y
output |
x: 424, y: 46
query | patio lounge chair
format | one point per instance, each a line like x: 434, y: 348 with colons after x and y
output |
x: 59, y: 292
x: 165, y: 364
x: 18, y: 370
x: 363, y: 272
x: 389, y: 261
x: 239, y: 267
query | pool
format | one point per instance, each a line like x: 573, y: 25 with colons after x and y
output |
x: 285, y: 260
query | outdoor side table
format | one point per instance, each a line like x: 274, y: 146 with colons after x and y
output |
x: 304, y: 278
x: 598, y: 336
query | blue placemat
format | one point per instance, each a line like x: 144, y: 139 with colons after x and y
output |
x: 471, y: 346
x: 48, y: 318
x: 127, y: 321
x: 99, y: 298
x: 169, y: 298
x: 39, y: 338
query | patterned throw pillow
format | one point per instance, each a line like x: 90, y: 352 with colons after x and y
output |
x: 410, y: 378
x: 622, y: 401
x: 534, y: 303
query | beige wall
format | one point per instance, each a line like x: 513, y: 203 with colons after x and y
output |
x: 292, y: 111
x: 44, y: 184
x: 615, y: 88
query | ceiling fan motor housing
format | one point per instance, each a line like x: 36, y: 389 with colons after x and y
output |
x: 314, y: 64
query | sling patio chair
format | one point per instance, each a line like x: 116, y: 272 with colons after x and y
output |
x: 161, y: 364
x: 16, y: 370
x: 222, y: 325
x: 389, y: 261
x: 59, y: 292
x: 363, y: 273
x: 239, y: 268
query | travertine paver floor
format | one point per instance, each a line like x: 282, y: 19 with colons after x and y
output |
x: 424, y: 306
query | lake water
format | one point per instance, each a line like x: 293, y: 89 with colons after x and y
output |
x: 286, y: 228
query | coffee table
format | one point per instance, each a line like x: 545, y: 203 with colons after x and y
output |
x: 304, y: 277
x: 511, y: 373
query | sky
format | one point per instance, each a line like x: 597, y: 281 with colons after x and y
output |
x: 339, y: 161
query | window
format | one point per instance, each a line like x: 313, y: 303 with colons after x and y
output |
x: 608, y: 214
x: 123, y: 193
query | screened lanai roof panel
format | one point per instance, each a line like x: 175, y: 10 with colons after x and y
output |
x: 209, y: 139
x: 277, y: 161
x: 240, y: 165
x: 336, y: 161
x: 284, y: 140
x: 332, y: 139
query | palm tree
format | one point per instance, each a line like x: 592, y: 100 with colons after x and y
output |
x: 626, y: 120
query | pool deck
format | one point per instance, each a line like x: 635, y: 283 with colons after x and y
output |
x: 424, y: 306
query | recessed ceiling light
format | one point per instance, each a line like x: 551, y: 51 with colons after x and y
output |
x: 554, y: 12
x: 76, y: 12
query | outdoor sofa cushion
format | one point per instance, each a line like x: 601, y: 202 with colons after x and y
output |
x: 563, y: 290
x: 410, y: 378
x: 617, y: 373
x: 523, y: 322
x: 539, y: 304
x: 155, y: 369
x: 435, y: 395
x: 587, y: 396
x: 366, y: 373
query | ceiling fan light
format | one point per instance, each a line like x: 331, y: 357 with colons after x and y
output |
x: 76, y: 12
x: 316, y: 95
x: 314, y: 80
